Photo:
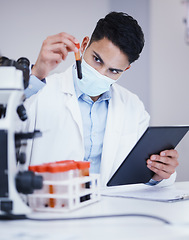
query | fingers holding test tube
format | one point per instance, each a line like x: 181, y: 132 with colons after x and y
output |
x: 54, y: 49
x: 78, y: 61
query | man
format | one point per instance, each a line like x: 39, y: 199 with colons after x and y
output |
x: 92, y: 119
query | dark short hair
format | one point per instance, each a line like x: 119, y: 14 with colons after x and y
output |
x: 123, y: 31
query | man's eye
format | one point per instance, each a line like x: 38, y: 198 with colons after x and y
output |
x: 114, y: 71
x: 97, y: 59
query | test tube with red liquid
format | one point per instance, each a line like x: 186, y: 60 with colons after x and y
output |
x: 78, y: 61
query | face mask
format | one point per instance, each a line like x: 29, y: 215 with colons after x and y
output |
x: 93, y: 83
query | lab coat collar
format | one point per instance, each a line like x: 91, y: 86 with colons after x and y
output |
x: 67, y: 87
x: 67, y: 84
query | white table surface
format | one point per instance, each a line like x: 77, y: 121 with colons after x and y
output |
x: 107, y: 228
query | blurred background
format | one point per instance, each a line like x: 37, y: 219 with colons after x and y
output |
x: 161, y: 75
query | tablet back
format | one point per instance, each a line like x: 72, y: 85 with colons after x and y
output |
x: 155, y: 139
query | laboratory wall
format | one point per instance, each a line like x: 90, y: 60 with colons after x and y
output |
x: 159, y: 77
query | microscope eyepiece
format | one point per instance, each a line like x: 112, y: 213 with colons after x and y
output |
x: 24, y: 62
x: 21, y: 64
x: 3, y: 61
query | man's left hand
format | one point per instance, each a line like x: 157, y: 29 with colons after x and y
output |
x: 163, y: 165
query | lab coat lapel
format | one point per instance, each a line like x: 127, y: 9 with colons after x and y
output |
x: 71, y: 99
x: 73, y: 107
x: 111, y: 138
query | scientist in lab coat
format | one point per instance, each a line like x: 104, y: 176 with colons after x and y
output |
x: 92, y: 119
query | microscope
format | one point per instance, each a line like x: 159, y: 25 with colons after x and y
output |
x: 15, y: 182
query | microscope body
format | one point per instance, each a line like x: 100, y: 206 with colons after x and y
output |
x: 13, y: 181
x: 11, y: 95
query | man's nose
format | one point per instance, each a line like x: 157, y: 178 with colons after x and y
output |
x: 102, y: 70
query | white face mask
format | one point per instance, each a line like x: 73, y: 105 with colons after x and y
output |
x: 93, y: 83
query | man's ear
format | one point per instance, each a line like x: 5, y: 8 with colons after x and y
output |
x: 127, y: 68
x: 84, y: 43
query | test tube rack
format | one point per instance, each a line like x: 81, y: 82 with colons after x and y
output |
x: 66, y: 195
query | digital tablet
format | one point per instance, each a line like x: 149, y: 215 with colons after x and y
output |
x: 154, y: 140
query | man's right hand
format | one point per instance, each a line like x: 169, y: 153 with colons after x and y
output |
x: 54, y: 49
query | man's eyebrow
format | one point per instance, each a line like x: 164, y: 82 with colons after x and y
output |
x: 112, y: 69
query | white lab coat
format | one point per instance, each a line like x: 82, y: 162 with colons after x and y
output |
x: 55, y: 112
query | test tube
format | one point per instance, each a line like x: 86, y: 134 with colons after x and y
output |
x: 78, y: 61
